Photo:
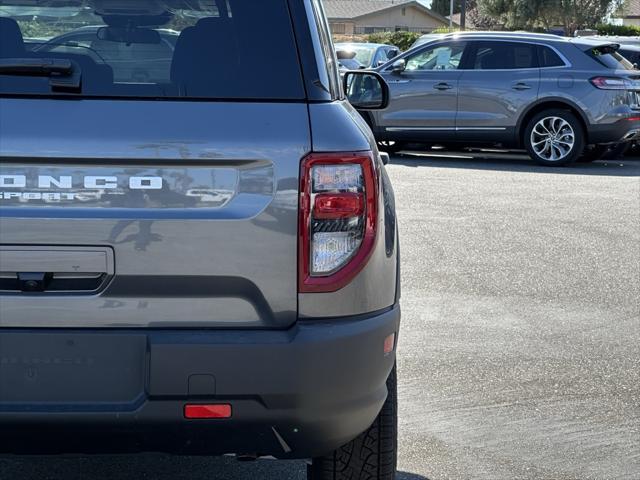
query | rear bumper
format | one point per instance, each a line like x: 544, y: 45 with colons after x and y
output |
x: 621, y: 131
x: 294, y: 394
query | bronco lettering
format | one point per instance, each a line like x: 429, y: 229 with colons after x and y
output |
x: 66, y: 182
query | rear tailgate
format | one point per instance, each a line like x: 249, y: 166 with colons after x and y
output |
x: 191, y: 207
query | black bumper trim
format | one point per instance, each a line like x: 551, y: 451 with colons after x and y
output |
x: 611, y: 133
x: 318, y: 384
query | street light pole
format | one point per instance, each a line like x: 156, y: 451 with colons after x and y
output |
x: 451, y: 14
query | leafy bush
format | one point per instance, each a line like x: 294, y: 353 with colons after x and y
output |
x: 445, y: 30
x: 618, y: 30
x: 402, y: 40
x: 36, y: 29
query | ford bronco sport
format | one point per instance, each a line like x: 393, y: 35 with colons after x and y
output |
x: 198, y: 243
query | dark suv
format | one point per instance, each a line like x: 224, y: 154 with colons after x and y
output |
x: 551, y: 95
x: 202, y: 260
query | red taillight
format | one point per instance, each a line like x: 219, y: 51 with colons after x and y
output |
x: 610, y: 83
x: 338, y: 219
x: 198, y: 411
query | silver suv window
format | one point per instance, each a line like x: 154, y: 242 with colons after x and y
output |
x: 549, y: 58
x: 443, y: 56
x: 219, y: 49
x: 504, y: 56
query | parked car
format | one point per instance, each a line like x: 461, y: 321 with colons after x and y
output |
x: 622, y: 40
x: 550, y: 95
x: 240, y: 293
x: 369, y: 55
x: 347, y: 61
x: 426, y: 38
x: 631, y: 53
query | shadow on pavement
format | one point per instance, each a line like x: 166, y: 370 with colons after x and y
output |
x: 513, y: 162
x: 409, y: 476
x: 154, y: 467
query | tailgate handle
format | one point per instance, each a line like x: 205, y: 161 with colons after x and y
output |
x: 45, y: 269
x: 55, y: 261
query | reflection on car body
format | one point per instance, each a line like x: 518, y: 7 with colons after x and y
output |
x: 136, y: 61
x: 211, y: 196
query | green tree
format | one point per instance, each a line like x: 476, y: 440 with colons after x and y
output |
x: 530, y: 14
x: 443, y: 7
x: 402, y: 40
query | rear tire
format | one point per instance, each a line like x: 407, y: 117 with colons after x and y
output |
x: 554, y: 138
x: 370, y: 456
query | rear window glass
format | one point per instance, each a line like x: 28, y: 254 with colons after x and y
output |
x: 632, y: 55
x: 610, y: 58
x: 549, y: 58
x: 218, y: 49
x: 504, y: 56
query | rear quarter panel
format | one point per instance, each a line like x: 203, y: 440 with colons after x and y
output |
x: 338, y: 127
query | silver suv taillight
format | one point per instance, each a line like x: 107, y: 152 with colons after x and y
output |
x: 611, y: 83
x: 338, y: 219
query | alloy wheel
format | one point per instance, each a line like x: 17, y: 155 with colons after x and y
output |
x: 552, y: 138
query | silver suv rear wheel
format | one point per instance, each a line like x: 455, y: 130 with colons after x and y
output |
x: 554, y: 137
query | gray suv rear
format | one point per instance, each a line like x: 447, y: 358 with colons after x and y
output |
x: 201, y: 259
x: 552, y: 96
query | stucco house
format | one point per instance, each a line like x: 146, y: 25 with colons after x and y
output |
x: 349, y: 17
x: 631, y: 12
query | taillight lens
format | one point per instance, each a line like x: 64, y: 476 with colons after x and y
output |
x: 338, y: 219
x: 611, y: 83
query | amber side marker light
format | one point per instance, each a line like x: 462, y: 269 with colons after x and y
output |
x: 207, y: 411
x: 389, y: 343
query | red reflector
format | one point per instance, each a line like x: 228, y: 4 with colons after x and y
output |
x: 207, y: 411
x: 338, y: 205
x: 633, y: 119
x: 389, y: 343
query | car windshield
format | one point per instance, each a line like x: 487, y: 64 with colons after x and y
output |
x: 364, y: 54
x: 350, y: 64
x: 153, y: 48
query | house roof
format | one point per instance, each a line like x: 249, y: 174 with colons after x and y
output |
x: 631, y: 9
x: 352, y: 9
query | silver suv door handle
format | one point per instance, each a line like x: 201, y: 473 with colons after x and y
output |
x: 442, y: 86
x: 521, y: 86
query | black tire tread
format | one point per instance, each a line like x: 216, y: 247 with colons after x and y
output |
x: 370, y: 456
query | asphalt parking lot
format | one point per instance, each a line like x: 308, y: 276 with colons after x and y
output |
x: 520, y: 347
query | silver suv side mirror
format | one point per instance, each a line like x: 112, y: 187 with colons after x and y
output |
x: 399, y: 66
x: 366, y: 90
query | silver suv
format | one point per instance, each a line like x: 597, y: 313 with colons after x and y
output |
x: 198, y: 245
x: 552, y: 96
